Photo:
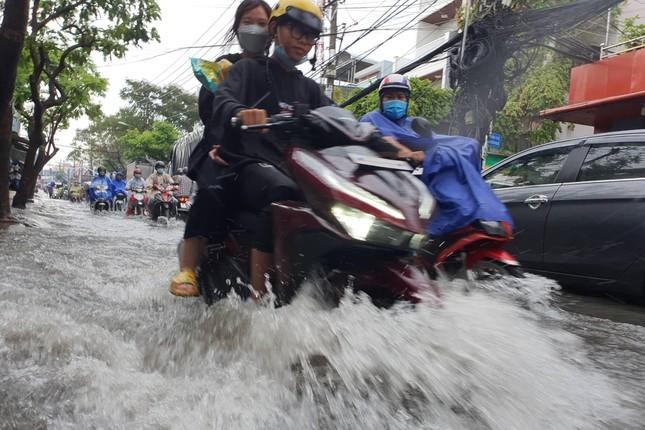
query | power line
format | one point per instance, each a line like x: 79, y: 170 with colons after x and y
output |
x: 141, y: 60
x: 165, y: 73
x: 389, y: 14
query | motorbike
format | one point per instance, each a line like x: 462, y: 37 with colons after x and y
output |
x: 359, y: 227
x: 58, y: 192
x: 138, y: 201
x: 75, y: 194
x: 120, y: 201
x: 183, y: 207
x: 165, y: 204
x: 473, y: 252
x: 102, y: 202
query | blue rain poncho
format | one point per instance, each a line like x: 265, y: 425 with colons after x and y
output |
x: 100, y: 180
x: 451, y: 171
x: 119, y: 186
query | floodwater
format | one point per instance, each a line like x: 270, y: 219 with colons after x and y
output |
x: 91, y: 339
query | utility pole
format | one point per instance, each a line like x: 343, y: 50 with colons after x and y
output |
x: 333, y: 30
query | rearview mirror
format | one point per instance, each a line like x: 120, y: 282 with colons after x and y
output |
x: 421, y: 126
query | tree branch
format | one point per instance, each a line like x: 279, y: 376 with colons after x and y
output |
x: 66, y: 53
x: 34, y: 16
x: 57, y: 14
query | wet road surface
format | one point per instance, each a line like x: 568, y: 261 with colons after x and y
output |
x: 90, y: 338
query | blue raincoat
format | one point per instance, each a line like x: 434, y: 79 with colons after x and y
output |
x: 451, y: 171
x: 100, y: 180
x: 119, y: 186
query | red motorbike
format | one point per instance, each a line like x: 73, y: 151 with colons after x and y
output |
x: 164, y: 204
x: 360, y: 226
x: 138, y: 202
x: 474, y: 251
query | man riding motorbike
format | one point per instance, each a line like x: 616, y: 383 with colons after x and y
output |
x: 119, y: 188
x: 159, y: 178
x: 100, y: 180
x: 451, y: 164
x: 137, y: 182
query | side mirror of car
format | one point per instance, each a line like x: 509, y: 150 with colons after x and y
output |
x: 421, y: 126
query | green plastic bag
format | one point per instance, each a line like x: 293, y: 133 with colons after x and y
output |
x: 210, y: 73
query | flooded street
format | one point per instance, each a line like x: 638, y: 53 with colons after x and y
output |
x: 91, y: 338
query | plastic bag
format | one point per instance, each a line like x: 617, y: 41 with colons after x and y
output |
x: 210, y: 73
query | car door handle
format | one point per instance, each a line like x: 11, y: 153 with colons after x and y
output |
x: 537, y: 200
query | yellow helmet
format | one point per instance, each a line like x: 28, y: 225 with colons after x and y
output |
x: 303, y: 11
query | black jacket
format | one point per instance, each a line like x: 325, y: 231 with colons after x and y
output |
x: 261, y: 83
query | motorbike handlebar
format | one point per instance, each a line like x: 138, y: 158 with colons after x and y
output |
x: 273, y: 121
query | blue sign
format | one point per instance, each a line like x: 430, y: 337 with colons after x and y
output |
x: 495, y: 141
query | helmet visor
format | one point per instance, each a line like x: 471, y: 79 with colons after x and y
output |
x: 305, y: 18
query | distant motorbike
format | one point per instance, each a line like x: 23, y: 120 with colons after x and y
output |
x: 138, y: 202
x: 183, y: 207
x: 102, y: 202
x: 120, y: 201
x: 75, y: 194
x: 58, y: 192
x: 165, y: 203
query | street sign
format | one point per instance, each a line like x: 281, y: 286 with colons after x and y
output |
x: 495, y: 141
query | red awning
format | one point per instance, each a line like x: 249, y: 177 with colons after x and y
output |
x: 596, y: 112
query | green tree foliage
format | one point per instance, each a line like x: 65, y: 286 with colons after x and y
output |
x: 102, y: 142
x: 148, y: 103
x: 105, y: 142
x: 544, y: 87
x: 155, y: 143
x: 61, y: 81
x: 426, y: 100
x: 633, y: 30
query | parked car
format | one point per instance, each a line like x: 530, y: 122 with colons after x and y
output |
x: 579, y: 210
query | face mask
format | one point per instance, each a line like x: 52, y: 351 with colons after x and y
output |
x: 137, y: 176
x: 160, y: 171
x: 281, y: 55
x: 253, y: 38
x: 395, y: 109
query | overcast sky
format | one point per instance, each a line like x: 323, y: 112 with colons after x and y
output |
x: 205, y: 22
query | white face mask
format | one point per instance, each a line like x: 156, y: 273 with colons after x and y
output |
x: 253, y: 38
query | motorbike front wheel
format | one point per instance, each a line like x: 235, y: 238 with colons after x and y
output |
x: 488, y: 270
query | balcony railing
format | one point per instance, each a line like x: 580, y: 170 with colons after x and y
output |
x: 622, y: 47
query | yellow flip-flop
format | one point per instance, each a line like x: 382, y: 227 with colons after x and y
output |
x: 184, y: 284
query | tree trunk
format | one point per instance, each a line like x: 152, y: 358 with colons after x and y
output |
x: 12, y: 37
x: 5, y: 146
x: 30, y: 174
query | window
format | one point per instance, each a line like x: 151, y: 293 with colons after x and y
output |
x: 533, y: 169
x: 614, y: 161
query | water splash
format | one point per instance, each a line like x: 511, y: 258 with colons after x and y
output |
x: 92, y: 339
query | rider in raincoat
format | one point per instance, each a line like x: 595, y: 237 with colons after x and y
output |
x: 119, y: 185
x: 451, y: 164
x: 100, y: 179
